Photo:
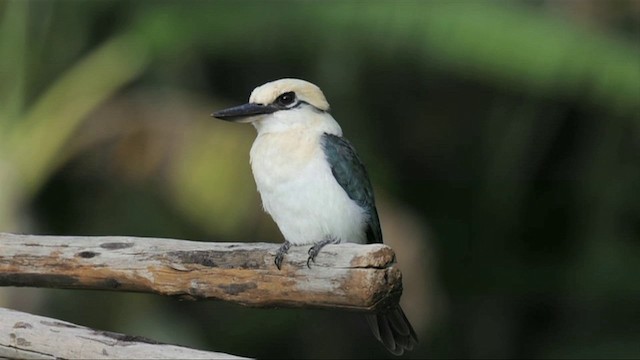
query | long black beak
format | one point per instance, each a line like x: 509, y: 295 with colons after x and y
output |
x: 244, y: 111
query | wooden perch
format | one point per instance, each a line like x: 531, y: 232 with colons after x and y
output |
x: 344, y: 276
x: 26, y: 336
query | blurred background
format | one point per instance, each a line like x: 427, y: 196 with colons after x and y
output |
x: 502, y: 138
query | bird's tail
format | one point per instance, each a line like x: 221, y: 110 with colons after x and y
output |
x: 392, y: 328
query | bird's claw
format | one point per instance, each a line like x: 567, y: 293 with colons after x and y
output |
x: 315, y: 250
x: 278, y: 260
x: 312, y: 256
x: 284, y: 248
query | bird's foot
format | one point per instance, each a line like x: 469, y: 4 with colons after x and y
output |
x: 315, y: 249
x: 281, y: 252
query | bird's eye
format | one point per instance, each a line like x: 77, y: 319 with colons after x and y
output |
x: 286, y: 99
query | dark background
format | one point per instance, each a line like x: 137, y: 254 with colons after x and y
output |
x: 502, y: 138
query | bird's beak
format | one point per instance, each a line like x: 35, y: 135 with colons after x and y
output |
x: 244, y: 112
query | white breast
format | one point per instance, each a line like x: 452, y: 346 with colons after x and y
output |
x: 299, y: 191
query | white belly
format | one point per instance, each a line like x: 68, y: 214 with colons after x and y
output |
x: 300, y: 193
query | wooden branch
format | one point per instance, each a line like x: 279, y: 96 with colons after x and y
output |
x: 345, y: 276
x: 26, y: 336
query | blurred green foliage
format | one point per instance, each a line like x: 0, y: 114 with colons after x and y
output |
x: 510, y: 130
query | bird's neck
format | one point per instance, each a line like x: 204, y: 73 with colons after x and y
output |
x: 298, y: 123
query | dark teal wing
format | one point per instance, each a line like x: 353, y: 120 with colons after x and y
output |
x: 350, y: 173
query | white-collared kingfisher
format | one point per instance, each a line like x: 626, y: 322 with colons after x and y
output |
x: 313, y: 183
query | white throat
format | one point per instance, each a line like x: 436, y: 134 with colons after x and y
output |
x: 303, y: 118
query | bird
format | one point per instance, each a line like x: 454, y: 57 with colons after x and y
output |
x: 313, y: 184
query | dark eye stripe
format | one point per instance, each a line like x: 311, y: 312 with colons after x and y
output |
x: 289, y: 100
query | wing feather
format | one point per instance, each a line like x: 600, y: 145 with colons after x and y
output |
x: 351, y: 174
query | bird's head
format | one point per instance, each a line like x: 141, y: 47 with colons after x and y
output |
x: 284, y: 103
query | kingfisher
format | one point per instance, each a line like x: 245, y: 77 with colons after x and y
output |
x: 313, y: 183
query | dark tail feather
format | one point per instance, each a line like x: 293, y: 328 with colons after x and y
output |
x: 392, y: 328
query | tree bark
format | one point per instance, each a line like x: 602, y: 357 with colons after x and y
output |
x: 26, y: 336
x: 344, y: 276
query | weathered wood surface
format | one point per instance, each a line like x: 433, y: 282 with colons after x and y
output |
x: 345, y: 276
x: 26, y: 336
